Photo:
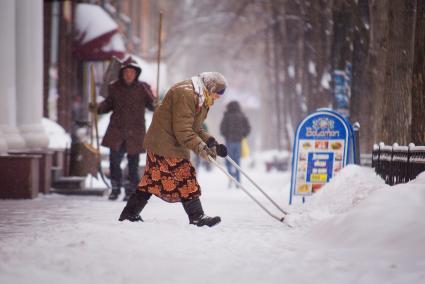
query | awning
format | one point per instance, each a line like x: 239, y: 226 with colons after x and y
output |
x: 97, y: 34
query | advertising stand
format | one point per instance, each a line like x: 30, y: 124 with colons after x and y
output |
x: 324, y: 144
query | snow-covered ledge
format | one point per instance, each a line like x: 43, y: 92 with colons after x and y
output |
x: 11, y: 133
x: 29, y: 72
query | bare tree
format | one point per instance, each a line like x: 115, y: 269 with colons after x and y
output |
x: 316, y: 52
x: 397, y: 102
x: 418, y: 84
x: 361, y: 101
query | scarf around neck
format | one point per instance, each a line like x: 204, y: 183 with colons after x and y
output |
x: 202, y: 92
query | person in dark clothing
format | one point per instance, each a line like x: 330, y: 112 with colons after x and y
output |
x: 78, y: 119
x: 127, y: 99
x: 234, y: 127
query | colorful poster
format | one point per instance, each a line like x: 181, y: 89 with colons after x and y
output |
x: 320, y: 151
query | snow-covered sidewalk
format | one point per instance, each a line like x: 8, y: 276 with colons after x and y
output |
x: 357, y: 230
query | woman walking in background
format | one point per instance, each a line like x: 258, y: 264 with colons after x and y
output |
x: 234, y: 127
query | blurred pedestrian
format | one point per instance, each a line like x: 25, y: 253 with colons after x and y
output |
x: 78, y: 120
x: 127, y: 99
x: 176, y: 128
x: 234, y: 127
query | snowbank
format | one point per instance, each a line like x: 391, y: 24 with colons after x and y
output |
x: 344, y: 192
x: 58, y: 137
x: 355, y: 230
x: 357, y: 210
x: 389, y: 218
x: 420, y: 179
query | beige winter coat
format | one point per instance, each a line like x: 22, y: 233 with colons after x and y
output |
x: 176, y: 126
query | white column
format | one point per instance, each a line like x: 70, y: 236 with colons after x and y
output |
x: 3, y: 144
x: 7, y: 77
x: 29, y: 72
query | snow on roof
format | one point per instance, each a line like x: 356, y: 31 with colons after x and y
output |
x: 115, y: 44
x: 92, y: 21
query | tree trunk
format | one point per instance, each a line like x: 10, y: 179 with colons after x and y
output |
x: 361, y: 98
x: 418, y: 82
x: 397, y: 101
x: 315, y: 55
x: 377, y: 63
x: 269, y: 139
x: 292, y: 105
x: 276, y: 74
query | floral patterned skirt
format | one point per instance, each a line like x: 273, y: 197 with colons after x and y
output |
x: 171, y: 179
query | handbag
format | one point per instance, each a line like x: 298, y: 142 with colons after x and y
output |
x: 244, y: 148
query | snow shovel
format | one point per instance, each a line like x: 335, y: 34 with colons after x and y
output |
x: 262, y: 191
x: 95, y: 126
x: 280, y: 219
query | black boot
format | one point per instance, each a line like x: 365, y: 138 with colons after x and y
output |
x: 193, y: 208
x: 116, y: 190
x: 135, y: 205
x: 114, y: 194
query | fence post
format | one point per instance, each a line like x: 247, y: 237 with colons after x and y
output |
x: 409, y: 164
x: 380, y: 163
x: 356, y: 127
x: 392, y: 172
x: 375, y: 153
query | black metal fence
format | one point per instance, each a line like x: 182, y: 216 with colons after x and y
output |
x: 398, y: 164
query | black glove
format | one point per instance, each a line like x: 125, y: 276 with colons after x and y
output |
x: 211, y: 142
x: 220, y: 149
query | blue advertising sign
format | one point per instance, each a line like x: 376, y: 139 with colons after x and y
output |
x: 319, y: 167
x: 323, y: 146
x: 342, y: 89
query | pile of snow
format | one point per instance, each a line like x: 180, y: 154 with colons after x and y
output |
x: 58, y: 137
x: 420, y: 179
x: 346, y: 190
x: 390, y: 220
x: 356, y: 230
x: 358, y: 210
x: 351, y: 186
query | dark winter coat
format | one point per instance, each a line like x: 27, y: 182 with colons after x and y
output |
x: 176, y: 126
x: 234, y: 126
x: 127, y: 103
